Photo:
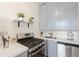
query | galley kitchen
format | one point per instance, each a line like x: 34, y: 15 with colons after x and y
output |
x: 39, y: 29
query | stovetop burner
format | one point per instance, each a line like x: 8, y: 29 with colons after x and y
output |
x: 30, y: 42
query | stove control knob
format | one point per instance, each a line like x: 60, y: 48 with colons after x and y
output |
x: 33, y: 48
x: 39, y: 45
x: 30, y: 55
x: 30, y: 50
x: 42, y: 42
x: 36, y: 47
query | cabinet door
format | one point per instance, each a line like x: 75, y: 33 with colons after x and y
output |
x: 62, y: 16
x: 61, y: 50
x: 58, y: 16
x: 69, y: 18
x: 52, y: 48
x: 43, y: 16
x: 52, y: 15
x: 66, y: 5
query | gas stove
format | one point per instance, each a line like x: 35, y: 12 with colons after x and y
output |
x: 34, y: 44
x: 30, y: 42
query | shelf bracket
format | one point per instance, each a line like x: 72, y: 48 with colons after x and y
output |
x: 19, y: 23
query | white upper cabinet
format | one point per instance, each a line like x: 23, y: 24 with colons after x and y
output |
x: 43, y: 16
x: 69, y: 18
x: 66, y: 5
x: 67, y: 15
x: 52, y: 15
x: 59, y: 16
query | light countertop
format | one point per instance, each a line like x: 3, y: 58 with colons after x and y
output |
x: 64, y: 40
x: 75, y: 42
x: 14, y: 49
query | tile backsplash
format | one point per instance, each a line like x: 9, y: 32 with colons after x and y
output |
x: 60, y: 34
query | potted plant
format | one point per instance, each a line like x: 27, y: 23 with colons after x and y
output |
x: 20, y: 16
x: 30, y: 21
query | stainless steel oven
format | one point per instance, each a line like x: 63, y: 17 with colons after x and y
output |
x: 37, y: 50
x: 35, y: 45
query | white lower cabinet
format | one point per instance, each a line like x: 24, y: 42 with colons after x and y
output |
x: 52, y: 48
x: 61, y: 50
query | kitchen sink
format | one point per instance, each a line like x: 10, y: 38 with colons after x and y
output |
x: 51, y: 37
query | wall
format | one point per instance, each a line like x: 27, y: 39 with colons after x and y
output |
x: 8, y: 11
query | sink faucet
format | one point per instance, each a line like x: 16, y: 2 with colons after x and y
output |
x: 50, y: 35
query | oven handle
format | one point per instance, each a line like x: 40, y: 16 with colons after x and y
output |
x: 38, y: 50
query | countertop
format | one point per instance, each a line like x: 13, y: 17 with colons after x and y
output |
x: 63, y: 40
x: 14, y: 49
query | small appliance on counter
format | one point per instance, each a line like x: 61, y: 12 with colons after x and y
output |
x: 70, y: 35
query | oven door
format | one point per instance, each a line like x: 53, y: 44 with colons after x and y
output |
x: 37, y: 52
